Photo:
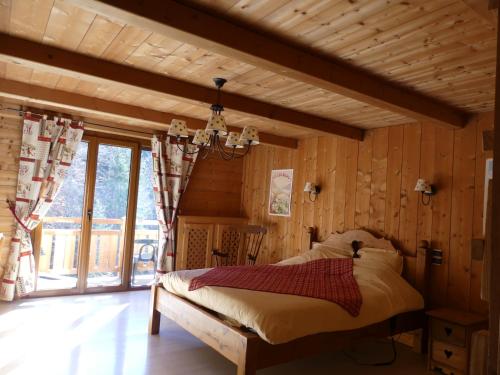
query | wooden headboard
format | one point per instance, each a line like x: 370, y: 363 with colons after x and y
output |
x: 417, y: 267
x: 366, y: 238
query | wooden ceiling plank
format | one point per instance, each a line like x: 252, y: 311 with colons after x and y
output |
x: 67, y: 25
x: 338, y: 17
x: 215, y: 34
x: 125, y: 43
x: 100, y: 35
x: 5, y: 6
x: 55, y: 60
x: 413, y: 29
x: 332, y: 38
x: 18, y: 72
x: 94, y: 106
x: 29, y: 18
x: 425, y: 44
x: 257, y: 9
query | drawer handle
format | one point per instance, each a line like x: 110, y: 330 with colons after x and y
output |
x: 448, y: 331
x: 448, y: 353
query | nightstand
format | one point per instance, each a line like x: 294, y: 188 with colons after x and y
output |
x: 450, y: 334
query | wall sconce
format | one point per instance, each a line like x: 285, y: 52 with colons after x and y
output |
x: 312, y: 189
x: 426, y: 189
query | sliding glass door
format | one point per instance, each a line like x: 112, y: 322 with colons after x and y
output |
x: 109, y: 216
x: 85, y: 242
x: 145, y: 252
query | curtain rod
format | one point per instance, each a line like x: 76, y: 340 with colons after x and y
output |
x: 22, y: 112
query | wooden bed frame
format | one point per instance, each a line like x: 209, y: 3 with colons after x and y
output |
x: 250, y: 353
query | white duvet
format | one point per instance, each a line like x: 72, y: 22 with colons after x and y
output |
x: 279, y: 318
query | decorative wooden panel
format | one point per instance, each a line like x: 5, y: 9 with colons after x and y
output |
x: 198, y: 245
x: 197, y: 236
x: 228, y: 241
x: 388, y: 164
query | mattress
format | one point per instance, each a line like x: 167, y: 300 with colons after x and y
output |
x: 279, y: 318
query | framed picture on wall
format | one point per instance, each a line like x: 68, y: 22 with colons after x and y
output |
x: 280, y: 192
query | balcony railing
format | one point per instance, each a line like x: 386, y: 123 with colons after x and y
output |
x: 60, y: 241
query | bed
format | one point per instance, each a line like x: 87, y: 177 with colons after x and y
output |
x: 259, y: 329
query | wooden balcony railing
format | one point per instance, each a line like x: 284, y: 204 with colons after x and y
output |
x: 58, y: 252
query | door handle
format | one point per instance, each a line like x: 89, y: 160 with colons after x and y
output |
x: 89, y: 215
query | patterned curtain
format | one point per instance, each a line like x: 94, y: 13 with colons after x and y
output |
x: 171, y: 171
x: 48, y: 147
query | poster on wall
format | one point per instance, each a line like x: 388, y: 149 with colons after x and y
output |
x: 280, y: 192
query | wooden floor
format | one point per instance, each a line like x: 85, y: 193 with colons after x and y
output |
x: 107, y: 334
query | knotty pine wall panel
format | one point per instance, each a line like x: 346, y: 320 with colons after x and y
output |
x: 214, y: 188
x: 10, y: 146
x: 370, y: 185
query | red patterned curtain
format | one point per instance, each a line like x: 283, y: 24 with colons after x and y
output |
x: 171, y: 171
x: 47, y: 150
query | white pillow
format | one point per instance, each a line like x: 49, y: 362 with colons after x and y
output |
x: 335, y: 251
x: 317, y: 252
x: 336, y: 245
x: 388, y: 257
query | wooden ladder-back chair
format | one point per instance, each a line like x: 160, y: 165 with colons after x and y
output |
x: 249, y: 242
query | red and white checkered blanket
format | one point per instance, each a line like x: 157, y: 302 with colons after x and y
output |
x: 329, y: 279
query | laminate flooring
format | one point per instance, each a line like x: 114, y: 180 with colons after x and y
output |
x: 107, y: 334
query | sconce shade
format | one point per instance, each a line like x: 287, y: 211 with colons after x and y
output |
x: 309, y: 187
x: 178, y: 128
x: 216, y: 123
x: 201, y: 138
x: 233, y: 140
x: 423, y: 186
x: 250, y: 135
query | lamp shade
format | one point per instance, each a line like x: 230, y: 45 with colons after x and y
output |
x: 201, y: 138
x: 216, y: 123
x: 233, y: 140
x: 250, y: 135
x: 422, y: 186
x: 178, y: 128
x: 309, y: 187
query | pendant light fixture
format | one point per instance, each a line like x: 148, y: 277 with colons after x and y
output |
x: 210, y: 139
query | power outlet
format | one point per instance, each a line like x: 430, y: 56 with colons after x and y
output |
x: 437, y: 256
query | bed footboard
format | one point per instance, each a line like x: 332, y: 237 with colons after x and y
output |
x: 154, y: 314
x: 238, y: 346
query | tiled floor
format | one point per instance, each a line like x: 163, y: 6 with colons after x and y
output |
x: 107, y: 334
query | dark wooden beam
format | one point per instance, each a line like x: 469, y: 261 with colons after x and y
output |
x: 229, y: 38
x: 48, y: 58
x: 95, y: 107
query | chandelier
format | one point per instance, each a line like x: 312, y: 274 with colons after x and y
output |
x: 209, y: 140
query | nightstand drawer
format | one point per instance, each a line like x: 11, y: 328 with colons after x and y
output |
x: 440, y: 369
x: 448, y: 332
x: 449, y: 355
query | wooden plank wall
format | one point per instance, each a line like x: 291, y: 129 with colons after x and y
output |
x: 371, y: 185
x: 10, y: 147
x: 214, y: 188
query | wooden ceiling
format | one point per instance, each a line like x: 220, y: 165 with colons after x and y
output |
x: 443, y: 49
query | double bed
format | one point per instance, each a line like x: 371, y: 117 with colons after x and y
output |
x: 256, y: 329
